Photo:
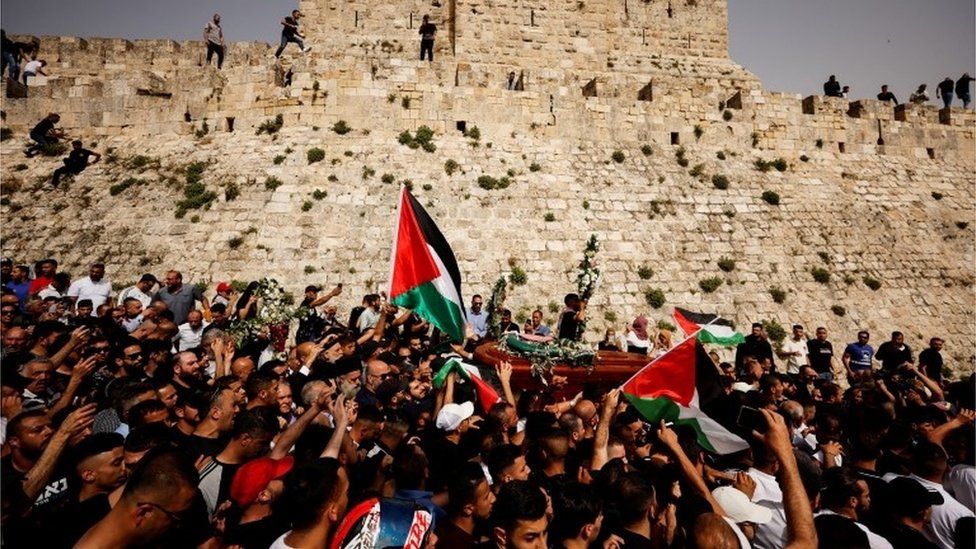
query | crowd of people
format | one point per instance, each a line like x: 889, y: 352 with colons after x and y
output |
x: 146, y: 417
x: 945, y: 91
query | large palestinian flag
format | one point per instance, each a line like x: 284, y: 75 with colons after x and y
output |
x: 710, y: 328
x: 424, y: 275
x: 676, y: 387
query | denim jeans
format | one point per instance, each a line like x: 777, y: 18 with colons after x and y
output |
x: 947, y: 99
x: 11, y: 60
x: 964, y: 97
x: 285, y: 39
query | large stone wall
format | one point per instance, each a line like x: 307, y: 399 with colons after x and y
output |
x: 898, y: 210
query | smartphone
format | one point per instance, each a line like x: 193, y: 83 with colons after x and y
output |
x: 752, y: 419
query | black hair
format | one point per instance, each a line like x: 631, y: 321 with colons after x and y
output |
x: 409, y: 467
x: 501, y: 457
x: 309, y: 487
x: 255, y: 422
x: 634, y: 494
x: 159, y: 473
x: 259, y: 381
x: 840, y: 484
x: 575, y: 506
x: 463, y: 487
x: 518, y: 500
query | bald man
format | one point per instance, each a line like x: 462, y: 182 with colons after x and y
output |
x: 586, y: 411
x: 714, y: 532
x: 242, y: 367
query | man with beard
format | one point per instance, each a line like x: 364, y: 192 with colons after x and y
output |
x: 756, y: 345
x: 187, y: 373
x: 131, y: 360
x: 94, y: 288
x: 180, y: 298
x: 208, y: 437
x: 250, y: 438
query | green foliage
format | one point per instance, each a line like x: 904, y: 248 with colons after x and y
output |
x: 194, y: 218
x: 586, y: 204
x: 838, y: 310
x: 194, y: 172
x: 777, y: 294
x: 727, y: 264
x: 780, y: 165
x: 647, y: 150
x: 553, y: 307
x: 729, y: 212
x: 774, y: 331
x: 709, y: 285
x: 118, y: 188
x: 550, y: 217
x: 825, y: 257
x: 231, y: 192
x: 195, y: 193
x: 518, y: 277
x: 6, y: 133
x: 272, y: 183
x: 341, y: 128
x: 319, y: 194
x: 427, y: 187
x: 762, y: 165
x: 271, y: 127
x: 665, y: 325
x: 820, y: 275
x: 307, y: 205
x: 279, y: 159
x: 332, y: 178
x: 368, y: 172
x: 235, y: 242
x: 654, y: 297
x: 720, y: 182
x: 727, y: 115
x: 139, y: 162
x: 871, y: 282
x: 450, y: 166
x: 20, y: 167
x: 53, y: 149
x: 391, y: 98
x: 203, y: 131
x: 314, y: 155
x: 423, y: 138
x: 618, y: 156
x: 699, y: 131
x: 770, y: 197
x: 848, y: 279
x: 473, y: 133
x: 697, y: 171
x: 645, y: 272
x: 534, y: 167
x: 755, y: 139
x: 388, y: 178
x: 610, y: 317
x: 488, y: 182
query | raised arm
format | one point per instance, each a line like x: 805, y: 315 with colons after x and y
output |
x: 504, y: 370
x: 290, y: 435
x: 602, y: 436
x: 78, y: 374
x: 341, y: 414
x: 688, y: 469
x: 78, y: 337
x: 41, y: 472
x: 800, y: 532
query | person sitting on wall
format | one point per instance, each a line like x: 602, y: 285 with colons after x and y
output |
x: 886, y: 95
x: 33, y: 68
x: 845, y: 92
x: 75, y: 162
x: 427, y: 32
x: 831, y: 87
x: 920, y: 96
x: 44, y: 134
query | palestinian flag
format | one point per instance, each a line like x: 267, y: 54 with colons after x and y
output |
x: 710, y: 328
x: 424, y: 275
x: 487, y: 396
x: 676, y: 387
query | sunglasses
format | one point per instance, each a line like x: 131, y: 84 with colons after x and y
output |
x: 134, y: 355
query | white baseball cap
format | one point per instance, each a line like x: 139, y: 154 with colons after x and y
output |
x: 742, y: 387
x: 738, y: 507
x: 451, y: 415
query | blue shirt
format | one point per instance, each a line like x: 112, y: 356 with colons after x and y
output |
x: 422, y: 498
x: 20, y: 290
x: 861, y: 356
x: 479, y: 322
x: 542, y: 330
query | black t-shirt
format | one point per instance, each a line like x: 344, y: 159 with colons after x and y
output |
x: 569, y: 326
x: 945, y: 86
x: 887, y: 96
x: 78, y: 158
x: 76, y: 518
x: 292, y: 28
x: 891, y: 356
x: 427, y: 31
x: 832, y: 89
x: 962, y: 85
x: 258, y: 534
x: 820, y: 353
x: 197, y: 446
x: 55, y: 495
x: 903, y: 537
x: 932, y: 360
x: 43, y: 127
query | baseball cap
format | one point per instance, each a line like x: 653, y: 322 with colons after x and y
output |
x: 909, y: 497
x: 451, y: 415
x: 738, y: 507
x: 255, y: 476
x: 313, y: 288
x: 148, y: 277
x: 223, y: 287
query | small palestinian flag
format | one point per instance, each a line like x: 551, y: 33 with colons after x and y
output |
x: 676, y: 387
x: 424, y: 275
x: 710, y: 328
x: 487, y: 396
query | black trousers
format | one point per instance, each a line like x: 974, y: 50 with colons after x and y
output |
x: 427, y: 46
x: 219, y: 50
x: 63, y: 171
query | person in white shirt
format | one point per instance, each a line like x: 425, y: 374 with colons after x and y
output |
x: 846, y: 495
x: 961, y: 483
x: 131, y: 314
x: 190, y: 332
x: 57, y: 288
x: 93, y: 287
x: 478, y: 317
x: 794, y: 351
x: 140, y: 290
x: 33, y: 68
x: 638, y: 340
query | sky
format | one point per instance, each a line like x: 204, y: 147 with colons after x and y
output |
x: 791, y: 45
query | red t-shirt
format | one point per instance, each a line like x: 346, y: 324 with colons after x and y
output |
x: 39, y: 284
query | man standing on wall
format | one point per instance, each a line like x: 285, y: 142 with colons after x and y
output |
x: 427, y: 32
x: 289, y: 33
x: 213, y: 35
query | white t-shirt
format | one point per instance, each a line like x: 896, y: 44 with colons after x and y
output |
x: 793, y: 363
x: 32, y: 67
x: 280, y: 542
x: 85, y: 288
x: 187, y: 337
x: 49, y: 291
x: 941, y: 530
x: 135, y: 292
x: 961, y: 483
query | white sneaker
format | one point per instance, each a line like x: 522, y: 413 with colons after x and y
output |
x: 307, y: 49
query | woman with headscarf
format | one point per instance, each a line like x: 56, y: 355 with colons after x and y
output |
x: 638, y: 340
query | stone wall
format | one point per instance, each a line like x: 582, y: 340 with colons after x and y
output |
x: 590, y: 148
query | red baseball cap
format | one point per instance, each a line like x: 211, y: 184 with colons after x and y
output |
x: 223, y: 287
x: 255, y: 476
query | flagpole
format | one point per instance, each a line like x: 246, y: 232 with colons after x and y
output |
x: 673, y: 347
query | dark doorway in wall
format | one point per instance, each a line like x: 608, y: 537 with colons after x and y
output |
x: 461, y: 125
x: 841, y: 147
x: 675, y: 138
x: 230, y: 123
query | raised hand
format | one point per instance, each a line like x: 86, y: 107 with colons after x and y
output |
x: 504, y: 369
x: 79, y: 420
x: 667, y: 436
x: 84, y: 367
x: 777, y: 436
x: 745, y: 484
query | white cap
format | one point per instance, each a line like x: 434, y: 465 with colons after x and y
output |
x: 742, y: 387
x: 738, y: 507
x: 451, y: 415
